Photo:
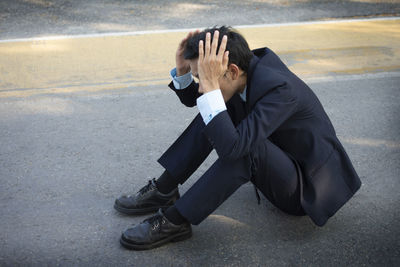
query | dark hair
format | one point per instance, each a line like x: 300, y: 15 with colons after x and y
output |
x: 239, y: 51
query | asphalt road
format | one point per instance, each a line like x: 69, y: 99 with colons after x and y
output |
x: 32, y: 18
x: 66, y: 154
x: 91, y: 63
x: 65, y: 158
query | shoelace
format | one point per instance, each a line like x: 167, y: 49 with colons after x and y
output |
x: 151, y: 184
x: 156, y: 221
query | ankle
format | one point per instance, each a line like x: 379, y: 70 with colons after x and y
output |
x: 165, y: 183
x: 173, y: 215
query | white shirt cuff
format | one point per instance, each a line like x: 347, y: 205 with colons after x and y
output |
x: 210, y: 105
x: 181, y: 82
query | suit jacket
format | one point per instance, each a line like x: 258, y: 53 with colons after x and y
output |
x: 282, y: 108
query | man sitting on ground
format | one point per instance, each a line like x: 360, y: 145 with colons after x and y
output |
x: 267, y: 127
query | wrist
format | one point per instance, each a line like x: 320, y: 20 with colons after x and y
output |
x: 182, y: 71
x: 209, y: 86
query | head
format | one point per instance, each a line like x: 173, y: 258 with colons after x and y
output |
x: 239, y: 56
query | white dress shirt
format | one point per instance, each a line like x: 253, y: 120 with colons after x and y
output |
x: 209, y: 104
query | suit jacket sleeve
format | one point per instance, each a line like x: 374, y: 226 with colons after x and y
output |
x: 269, y: 112
x: 188, y: 95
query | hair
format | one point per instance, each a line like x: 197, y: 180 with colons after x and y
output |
x: 239, y: 51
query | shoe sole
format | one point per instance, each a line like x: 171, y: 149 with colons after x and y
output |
x: 142, y: 211
x: 174, y: 238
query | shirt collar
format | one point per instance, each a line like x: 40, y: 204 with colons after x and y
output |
x: 243, y: 94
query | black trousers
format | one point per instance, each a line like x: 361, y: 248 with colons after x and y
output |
x: 270, y: 169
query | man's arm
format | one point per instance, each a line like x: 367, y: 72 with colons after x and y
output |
x: 270, y: 111
x: 187, y: 95
x: 268, y: 114
x: 182, y: 80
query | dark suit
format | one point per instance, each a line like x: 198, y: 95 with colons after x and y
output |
x: 281, y: 130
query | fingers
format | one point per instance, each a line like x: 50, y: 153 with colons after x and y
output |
x: 201, y: 91
x: 191, y: 34
x: 212, y: 61
x: 208, y: 53
x: 201, y: 51
x: 188, y: 36
x: 214, y: 44
x: 222, y: 47
x: 211, y: 48
x: 207, y: 45
x: 225, y: 60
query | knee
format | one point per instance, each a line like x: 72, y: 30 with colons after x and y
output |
x: 240, y: 167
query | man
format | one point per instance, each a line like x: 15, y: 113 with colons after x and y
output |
x: 266, y: 126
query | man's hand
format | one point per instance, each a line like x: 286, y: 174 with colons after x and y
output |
x: 212, y: 65
x: 182, y: 65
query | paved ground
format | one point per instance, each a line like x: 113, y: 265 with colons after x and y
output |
x: 65, y: 158
x: 110, y: 62
x: 29, y: 18
x: 70, y: 145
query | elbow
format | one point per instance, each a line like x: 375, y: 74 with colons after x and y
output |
x: 189, y: 104
x: 187, y: 101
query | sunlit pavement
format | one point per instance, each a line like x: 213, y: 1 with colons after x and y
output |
x: 115, y: 61
x: 84, y: 119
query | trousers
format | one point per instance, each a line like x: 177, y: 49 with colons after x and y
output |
x: 269, y: 168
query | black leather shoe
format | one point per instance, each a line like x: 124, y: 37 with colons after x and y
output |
x: 147, y: 200
x: 154, y: 232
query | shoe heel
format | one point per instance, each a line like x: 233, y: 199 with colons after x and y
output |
x: 182, y: 237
